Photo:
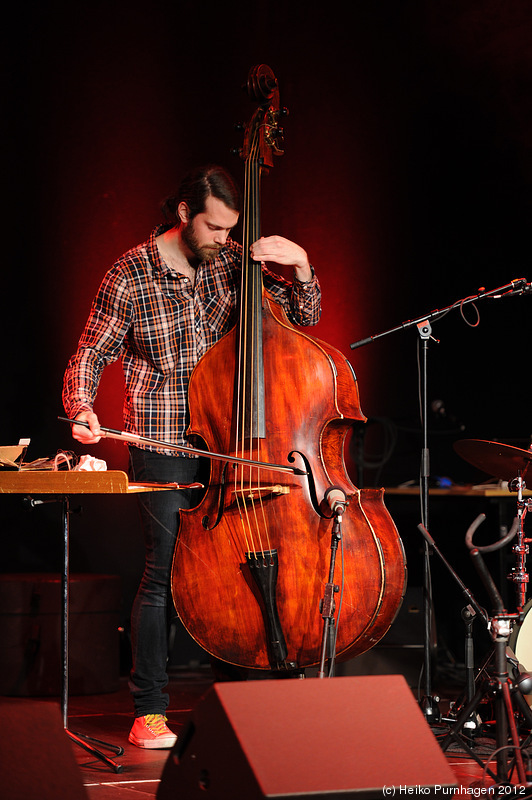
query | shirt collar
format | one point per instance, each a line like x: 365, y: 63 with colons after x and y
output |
x: 153, y: 251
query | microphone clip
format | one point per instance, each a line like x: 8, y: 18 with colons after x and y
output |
x: 337, y: 501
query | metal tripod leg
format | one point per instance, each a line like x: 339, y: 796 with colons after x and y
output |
x: 456, y: 730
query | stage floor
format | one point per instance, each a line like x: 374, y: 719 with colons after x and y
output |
x: 108, y: 717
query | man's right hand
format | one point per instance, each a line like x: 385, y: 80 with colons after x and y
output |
x: 91, y: 435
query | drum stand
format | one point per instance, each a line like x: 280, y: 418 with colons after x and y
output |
x: 508, y: 701
x: 494, y: 682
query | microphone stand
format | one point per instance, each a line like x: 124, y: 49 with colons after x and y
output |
x: 336, y: 499
x: 519, y: 286
x: 327, y: 604
x: 428, y: 703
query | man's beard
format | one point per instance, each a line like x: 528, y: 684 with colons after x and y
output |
x: 191, y: 240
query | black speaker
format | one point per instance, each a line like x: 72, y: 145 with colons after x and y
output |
x: 36, y: 758
x: 349, y: 737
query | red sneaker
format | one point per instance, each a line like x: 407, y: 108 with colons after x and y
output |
x: 151, y: 732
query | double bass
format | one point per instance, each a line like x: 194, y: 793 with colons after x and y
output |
x: 253, y: 558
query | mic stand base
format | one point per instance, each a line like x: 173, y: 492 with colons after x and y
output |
x: 429, y: 707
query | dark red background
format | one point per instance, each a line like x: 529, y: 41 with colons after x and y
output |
x: 407, y: 176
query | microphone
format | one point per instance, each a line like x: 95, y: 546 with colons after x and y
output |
x: 519, y: 287
x: 336, y: 500
x: 437, y: 407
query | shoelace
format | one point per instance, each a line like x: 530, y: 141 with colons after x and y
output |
x: 156, y: 723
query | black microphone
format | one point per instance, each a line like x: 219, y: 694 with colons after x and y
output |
x: 437, y: 407
x: 336, y: 500
x: 519, y: 286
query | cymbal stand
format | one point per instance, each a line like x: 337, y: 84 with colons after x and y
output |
x: 84, y: 741
x: 519, y: 576
x: 498, y: 683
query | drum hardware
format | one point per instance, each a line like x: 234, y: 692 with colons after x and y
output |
x: 504, y: 462
x: 494, y: 683
x: 493, y: 680
x: 519, y: 575
x: 469, y: 615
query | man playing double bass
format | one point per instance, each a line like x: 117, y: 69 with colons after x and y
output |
x: 160, y: 308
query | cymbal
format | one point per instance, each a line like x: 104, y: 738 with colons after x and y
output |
x: 499, y: 460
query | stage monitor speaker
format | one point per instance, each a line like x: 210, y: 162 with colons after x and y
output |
x: 350, y: 737
x: 36, y: 758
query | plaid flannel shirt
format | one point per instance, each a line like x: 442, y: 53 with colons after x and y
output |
x: 159, y: 325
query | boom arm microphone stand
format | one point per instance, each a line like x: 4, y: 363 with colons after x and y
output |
x: 428, y: 703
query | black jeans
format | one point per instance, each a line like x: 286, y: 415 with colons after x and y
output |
x: 150, y: 613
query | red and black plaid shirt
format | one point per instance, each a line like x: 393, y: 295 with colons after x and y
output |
x: 152, y: 318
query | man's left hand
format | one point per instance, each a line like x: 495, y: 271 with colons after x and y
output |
x: 279, y: 250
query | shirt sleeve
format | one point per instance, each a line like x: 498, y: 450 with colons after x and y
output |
x: 100, y: 344
x: 301, y: 301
